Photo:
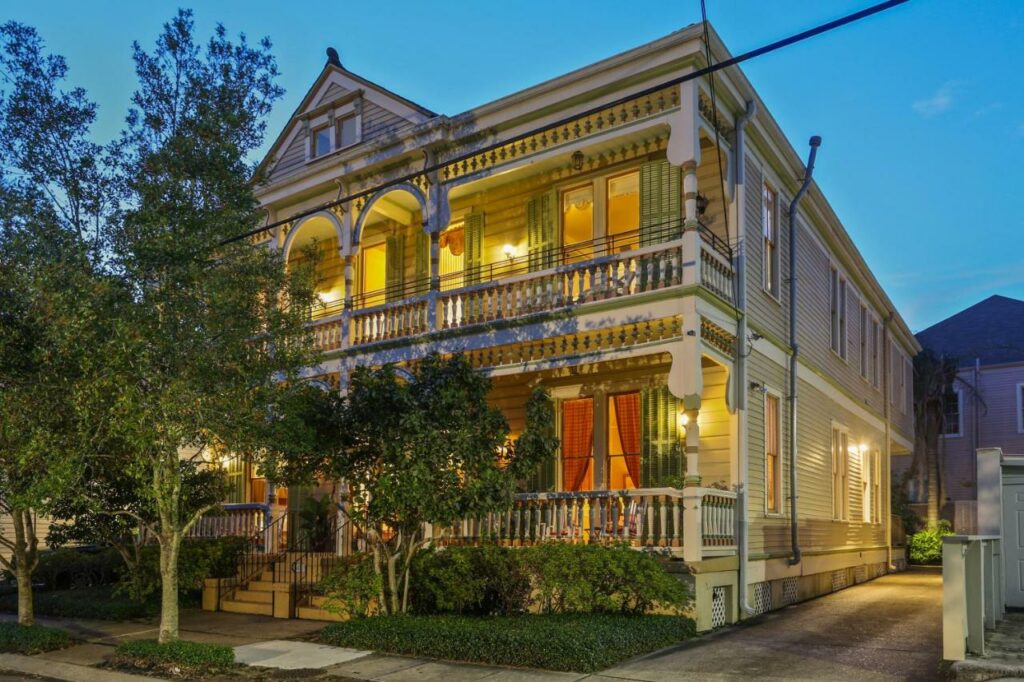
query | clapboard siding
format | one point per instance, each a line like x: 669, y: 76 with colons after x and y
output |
x: 378, y: 121
x: 292, y: 158
x: 7, y: 531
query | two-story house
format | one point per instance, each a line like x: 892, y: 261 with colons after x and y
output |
x: 618, y: 234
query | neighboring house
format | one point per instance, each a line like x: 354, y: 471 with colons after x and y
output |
x: 985, y: 406
x: 627, y: 248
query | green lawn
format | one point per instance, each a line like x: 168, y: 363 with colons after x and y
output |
x: 576, y: 643
x: 31, y: 639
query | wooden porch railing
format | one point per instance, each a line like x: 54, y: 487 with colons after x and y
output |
x: 240, y: 520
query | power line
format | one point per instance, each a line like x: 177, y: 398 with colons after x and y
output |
x: 733, y: 61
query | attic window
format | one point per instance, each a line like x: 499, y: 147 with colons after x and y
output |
x: 322, y: 141
x: 347, y: 132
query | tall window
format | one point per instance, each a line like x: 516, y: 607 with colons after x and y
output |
x: 321, y: 141
x: 373, y: 272
x: 622, y: 215
x: 864, y: 342
x: 578, y: 222
x: 577, y: 444
x: 772, y: 454
x: 348, y: 132
x: 770, y: 226
x: 874, y: 352
x: 234, y: 470
x: 952, y: 412
x: 840, y: 476
x: 837, y: 311
x: 624, y: 437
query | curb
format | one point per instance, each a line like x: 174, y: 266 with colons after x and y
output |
x: 64, y: 671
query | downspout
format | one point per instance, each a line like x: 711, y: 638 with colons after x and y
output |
x: 886, y: 358
x: 794, y: 350
x: 739, y: 197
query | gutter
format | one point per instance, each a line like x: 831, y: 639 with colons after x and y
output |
x: 794, y: 348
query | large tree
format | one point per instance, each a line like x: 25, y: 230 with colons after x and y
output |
x: 428, y: 448
x: 211, y: 337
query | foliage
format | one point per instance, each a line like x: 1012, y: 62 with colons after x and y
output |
x: 430, y: 449
x: 31, y: 639
x: 200, y: 558
x: 102, y: 602
x: 926, y: 545
x: 61, y: 569
x: 578, y: 643
x: 901, y: 505
x: 314, y: 523
x: 352, y: 587
x: 180, y: 658
x: 485, y: 580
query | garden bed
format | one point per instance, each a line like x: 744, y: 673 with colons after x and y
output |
x: 101, y: 603
x: 31, y: 639
x: 181, y: 658
x: 569, y: 642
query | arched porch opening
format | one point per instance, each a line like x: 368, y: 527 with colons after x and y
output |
x: 392, y: 250
x: 316, y: 241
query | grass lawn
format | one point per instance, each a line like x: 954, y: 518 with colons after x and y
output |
x: 576, y: 643
x: 31, y: 639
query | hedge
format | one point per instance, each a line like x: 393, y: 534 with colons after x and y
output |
x: 101, y: 603
x: 567, y: 642
x: 180, y: 658
x: 31, y: 639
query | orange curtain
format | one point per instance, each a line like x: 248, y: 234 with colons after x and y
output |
x: 627, y: 419
x: 577, y: 441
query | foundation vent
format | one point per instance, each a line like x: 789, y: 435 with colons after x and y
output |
x: 860, y: 574
x: 838, y: 579
x: 718, y: 606
x: 762, y: 597
x: 790, y: 591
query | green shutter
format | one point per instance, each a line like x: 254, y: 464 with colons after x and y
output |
x: 394, y: 260
x: 541, y: 226
x: 661, y: 202
x: 661, y: 460
x: 543, y: 479
x: 422, y: 262
x: 473, y: 227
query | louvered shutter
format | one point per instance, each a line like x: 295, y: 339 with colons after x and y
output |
x: 394, y: 265
x: 661, y: 460
x: 473, y: 227
x: 422, y: 262
x: 540, y: 229
x: 661, y: 202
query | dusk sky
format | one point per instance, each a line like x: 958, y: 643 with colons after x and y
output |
x: 921, y: 108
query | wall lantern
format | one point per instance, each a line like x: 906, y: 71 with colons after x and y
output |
x: 702, y: 204
x: 509, y: 251
x: 577, y: 160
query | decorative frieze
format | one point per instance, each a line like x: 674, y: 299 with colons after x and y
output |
x: 707, y: 112
x: 717, y: 338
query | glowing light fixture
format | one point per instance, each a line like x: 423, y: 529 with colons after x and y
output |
x: 577, y: 160
x: 683, y: 420
x: 509, y: 251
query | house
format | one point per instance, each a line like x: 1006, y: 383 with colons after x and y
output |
x: 984, y: 407
x: 619, y: 235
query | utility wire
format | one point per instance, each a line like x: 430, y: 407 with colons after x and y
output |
x: 711, y: 68
x: 714, y: 118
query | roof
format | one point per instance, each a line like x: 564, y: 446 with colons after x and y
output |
x: 991, y: 331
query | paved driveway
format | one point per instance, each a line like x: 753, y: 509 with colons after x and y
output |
x: 885, y: 629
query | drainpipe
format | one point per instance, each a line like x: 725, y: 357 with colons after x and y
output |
x: 794, y: 350
x: 886, y: 358
x: 739, y: 197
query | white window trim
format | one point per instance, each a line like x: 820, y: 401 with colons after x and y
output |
x: 864, y: 347
x: 781, y: 484
x: 959, y: 414
x: 332, y: 118
x: 1020, y: 408
x: 765, y: 284
x: 839, y: 333
x: 845, y: 512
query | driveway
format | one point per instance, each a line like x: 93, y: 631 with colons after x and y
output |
x: 885, y: 629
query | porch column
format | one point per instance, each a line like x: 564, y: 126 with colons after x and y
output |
x: 346, y: 311
x: 439, y: 215
x: 684, y: 151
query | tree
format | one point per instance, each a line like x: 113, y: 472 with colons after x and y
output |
x: 428, y: 450
x: 211, y: 334
x: 50, y: 207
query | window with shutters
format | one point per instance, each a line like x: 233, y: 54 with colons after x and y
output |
x: 473, y: 225
x: 840, y: 473
x: 875, y: 339
x: 624, y: 438
x: 421, y: 276
x: 661, y: 454
x: 541, y: 224
x: 837, y: 312
x: 452, y: 267
x: 770, y: 231
x: 876, y: 486
x: 578, y: 223
x: 772, y: 453
x: 863, y: 342
x: 623, y: 210
x: 372, y: 273
x: 394, y: 266
x: 661, y: 213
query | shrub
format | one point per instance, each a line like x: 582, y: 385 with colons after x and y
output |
x: 198, y: 559
x: 91, y: 602
x: 180, y: 658
x: 485, y: 580
x: 926, y: 545
x: 31, y: 639
x: 60, y: 569
x: 577, y: 643
x: 351, y: 587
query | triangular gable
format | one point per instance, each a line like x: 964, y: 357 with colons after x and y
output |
x: 383, y: 112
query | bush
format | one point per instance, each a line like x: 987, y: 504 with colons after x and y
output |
x: 93, y: 602
x: 31, y: 639
x: 180, y: 658
x: 486, y: 580
x: 576, y: 643
x: 65, y: 568
x: 198, y: 559
x: 926, y: 545
x: 351, y: 587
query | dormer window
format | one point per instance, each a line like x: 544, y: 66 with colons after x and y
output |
x: 322, y: 140
x: 347, y: 132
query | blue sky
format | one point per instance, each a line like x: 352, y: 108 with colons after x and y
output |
x: 921, y: 108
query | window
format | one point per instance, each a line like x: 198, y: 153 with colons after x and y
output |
x: 952, y: 413
x: 234, y: 471
x: 578, y: 222
x: 840, y: 480
x: 874, y: 352
x: 348, y: 132
x: 770, y: 226
x: 837, y: 310
x: 623, y: 210
x: 321, y: 141
x: 577, y: 444
x: 373, y: 271
x: 863, y: 342
x: 624, y: 438
x: 772, y: 454
x: 1020, y: 408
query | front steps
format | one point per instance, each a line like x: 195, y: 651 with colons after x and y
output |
x: 270, y: 592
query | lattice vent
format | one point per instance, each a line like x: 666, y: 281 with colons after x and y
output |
x: 717, y: 606
x: 762, y: 597
x: 860, y: 574
x: 838, y: 580
x: 790, y: 591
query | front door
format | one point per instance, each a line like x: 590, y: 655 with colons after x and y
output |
x: 1013, y: 543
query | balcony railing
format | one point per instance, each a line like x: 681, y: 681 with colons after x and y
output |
x: 614, y: 266
x: 238, y: 520
x: 644, y: 517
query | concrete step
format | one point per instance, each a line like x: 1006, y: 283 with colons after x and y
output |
x: 247, y: 607
x: 314, y: 613
x: 254, y: 596
x: 265, y: 585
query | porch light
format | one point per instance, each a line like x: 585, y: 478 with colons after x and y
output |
x: 702, y: 203
x: 683, y: 419
x: 577, y: 160
x: 509, y: 251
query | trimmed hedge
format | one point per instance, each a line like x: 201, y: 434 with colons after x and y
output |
x: 180, y: 658
x: 31, y: 639
x: 568, y: 642
x: 101, y: 603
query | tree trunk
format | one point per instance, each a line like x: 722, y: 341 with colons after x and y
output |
x: 169, y: 547
x: 24, y: 563
x: 26, y: 608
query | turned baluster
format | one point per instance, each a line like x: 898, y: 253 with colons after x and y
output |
x: 648, y: 535
x: 663, y: 529
x: 675, y: 522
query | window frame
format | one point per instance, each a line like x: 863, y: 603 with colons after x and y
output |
x: 314, y: 132
x: 838, y: 289
x: 875, y: 355
x: 864, y: 320
x: 770, y: 393
x: 771, y: 281
x: 959, y: 414
x: 357, y: 132
x: 840, y: 478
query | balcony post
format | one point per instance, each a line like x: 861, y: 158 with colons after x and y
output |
x: 436, y: 220
x: 346, y: 311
